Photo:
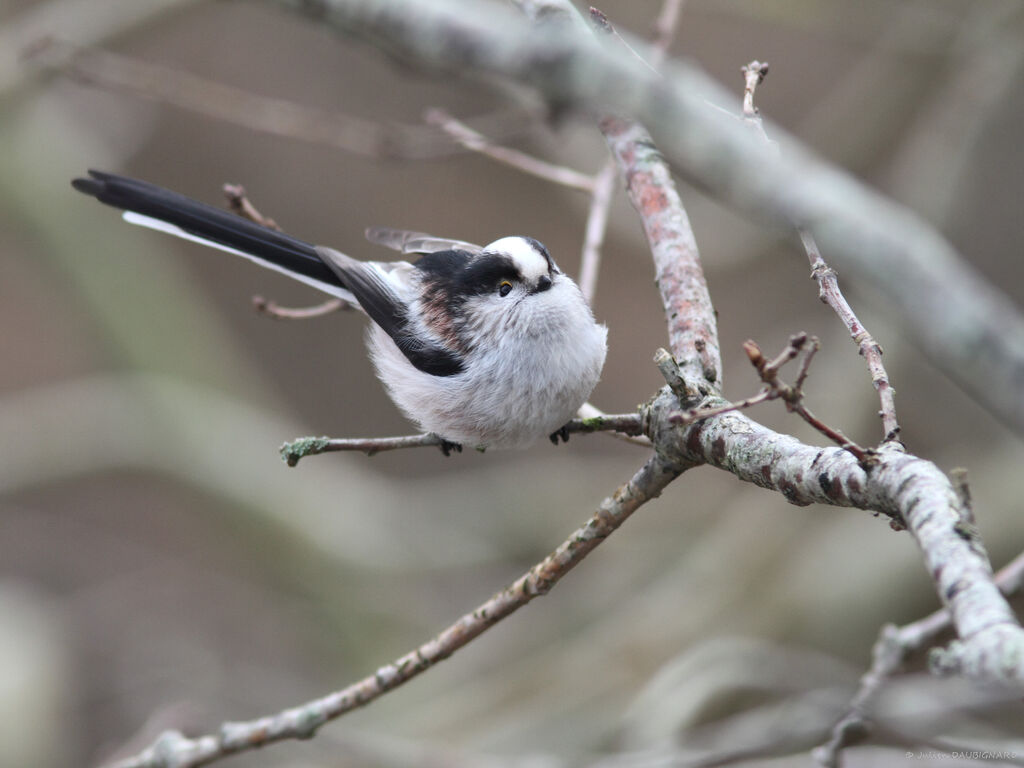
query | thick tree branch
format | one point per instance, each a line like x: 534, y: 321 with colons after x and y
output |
x: 913, y: 492
x: 692, y: 329
x: 174, y: 750
x: 963, y: 324
x: 997, y: 650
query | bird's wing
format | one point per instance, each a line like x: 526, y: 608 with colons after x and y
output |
x: 405, y: 241
x: 378, y: 297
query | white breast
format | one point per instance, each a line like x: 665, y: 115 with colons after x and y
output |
x: 542, y: 368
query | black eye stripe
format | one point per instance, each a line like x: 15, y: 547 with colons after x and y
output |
x: 486, y: 273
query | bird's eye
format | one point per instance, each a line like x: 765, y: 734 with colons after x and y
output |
x: 504, y: 288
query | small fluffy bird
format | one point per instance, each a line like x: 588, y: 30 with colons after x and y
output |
x: 487, y: 347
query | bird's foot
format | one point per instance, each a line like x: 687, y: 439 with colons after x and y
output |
x: 447, y: 446
x: 561, y: 433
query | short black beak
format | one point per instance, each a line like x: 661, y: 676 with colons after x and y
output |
x: 543, y: 284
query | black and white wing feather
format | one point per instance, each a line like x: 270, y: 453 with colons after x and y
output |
x: 406, y: 241
x: 377, y: 289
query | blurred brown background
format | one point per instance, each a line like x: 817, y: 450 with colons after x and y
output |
x: 161, y: 567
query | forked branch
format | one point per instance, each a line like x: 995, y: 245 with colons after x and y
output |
x: 754, y: 74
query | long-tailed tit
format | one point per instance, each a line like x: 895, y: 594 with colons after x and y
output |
x: 484, y: 347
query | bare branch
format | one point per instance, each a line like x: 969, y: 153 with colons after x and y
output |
x: 272, y: 309
x: 774, y: 389
x: 665, y: 30
x: 680, y: 276
x: 596, y: 228
x: 597, y: 219
x: 295, y: 450
x: 913, y: 492
x: 692, y: 328
x: 477, y: 142
x: 754, y: 74
x: 591, y: 411
x: 826, y: 277
x: 793, y: 395
x: 239, y: 202
x: 870, y: 350
x: 174, y: 750
x: 275, y: 116
x: 694, y: 415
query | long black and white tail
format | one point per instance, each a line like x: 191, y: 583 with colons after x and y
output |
x: 157, y: 208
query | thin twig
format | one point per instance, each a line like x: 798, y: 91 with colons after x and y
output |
x: 600, y: 22
x: 893, y: 646
x: 870, y: 350
x: 76, y: 23
x: 793, y: 395
x: 591, y: 411
x: 774, y: 389
x: 826, y: 277
x: 174, y: 749
x: 272, y: 309
x: 596, y: 228
x: 477, y: 142
x: 295, y: 450
x: 694, y: 415
x: 754, y: 74
x: 239, y: 202
x: 665, y: 30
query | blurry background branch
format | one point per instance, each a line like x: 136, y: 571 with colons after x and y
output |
x: 275, y: 116
x: 79, y: 21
